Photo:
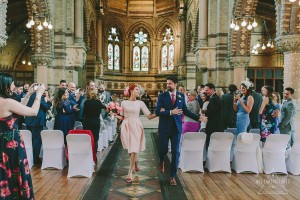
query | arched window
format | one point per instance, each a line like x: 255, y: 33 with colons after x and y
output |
x: 140, y: 52
x: 167, y: 51
x: 113, y: 49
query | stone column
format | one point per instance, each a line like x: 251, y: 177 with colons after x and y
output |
x: 239, y: 65
x: 78, y: 33
x: 203, y: 23
x: 41, y: 62
x: 99, y: 37
x: 290, y: 45
x: 182, y: 38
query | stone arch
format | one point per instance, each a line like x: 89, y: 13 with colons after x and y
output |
x: 143, y: 25
x: 162, y: 25
x: 42, y: 42
x: 117, y: 24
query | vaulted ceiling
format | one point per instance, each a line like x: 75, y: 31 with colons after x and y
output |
x: 141, y: 8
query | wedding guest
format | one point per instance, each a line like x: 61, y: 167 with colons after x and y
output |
x: 205, y: 100
x: 200, y: 90
x: 91, y: 85
x: 146, y: 99
x: 104, y: 98
x: 189, y: 124
x: 277, y: 100
x: 62, y: 84
x: 15, y: 175
x: 25, y: 89
x: 243, y: 104
x: 229, y: 116
x: 17, y: 93
x: 266, y: 111
x: 288, y: 114
x: 64, y: 120
x: 91, y: 112
x: 254, y: 114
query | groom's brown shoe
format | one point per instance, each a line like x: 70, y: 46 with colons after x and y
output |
x: 161, y: 167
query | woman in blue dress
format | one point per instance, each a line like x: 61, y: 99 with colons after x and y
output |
x: 242, y: 104
x: 64, y: 120
x: 15, y: 178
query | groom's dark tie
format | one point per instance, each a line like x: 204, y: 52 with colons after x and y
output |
x: 173, y: 98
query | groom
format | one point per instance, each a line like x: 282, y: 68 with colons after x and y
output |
x: 170, y: 106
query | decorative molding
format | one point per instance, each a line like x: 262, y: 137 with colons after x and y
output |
x: 239, y: 61
x: 288, y: 43
x: 42, y: 59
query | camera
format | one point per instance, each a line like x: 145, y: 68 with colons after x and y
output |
x: 237, y: 92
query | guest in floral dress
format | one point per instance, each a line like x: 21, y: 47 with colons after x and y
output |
x: 132, y: 131
x: 277, y: 100
x: 15, y: 178
x: 268, y: 107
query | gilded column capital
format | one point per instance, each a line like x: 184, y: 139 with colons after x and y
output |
x: 289, y: 43
x: 239, y: 61
x: 41, y: 59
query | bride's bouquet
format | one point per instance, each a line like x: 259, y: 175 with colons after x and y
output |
x: 114, y: 107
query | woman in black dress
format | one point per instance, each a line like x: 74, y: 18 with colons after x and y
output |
x: 91, y: 114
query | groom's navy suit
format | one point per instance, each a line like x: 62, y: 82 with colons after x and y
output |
x: 170, y: 126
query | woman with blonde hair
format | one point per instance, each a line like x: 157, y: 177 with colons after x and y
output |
x: 91, y: 114
x: 192, y: 105
x: 132, y: 130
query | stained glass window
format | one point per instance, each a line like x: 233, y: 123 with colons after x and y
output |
x: 140, y: 52
x: 167, y: 51
x: 113, y: 54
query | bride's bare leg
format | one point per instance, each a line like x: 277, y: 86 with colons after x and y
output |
x: 132, y: 161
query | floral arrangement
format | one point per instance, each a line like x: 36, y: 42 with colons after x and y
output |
x: 114, y: 107
x: 126, y: 91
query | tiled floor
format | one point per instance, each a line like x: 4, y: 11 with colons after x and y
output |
x: 145, y: 184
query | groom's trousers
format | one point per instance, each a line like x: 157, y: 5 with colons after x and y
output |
x: 164, y: 138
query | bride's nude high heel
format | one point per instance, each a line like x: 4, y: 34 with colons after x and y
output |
x: 136, y: 166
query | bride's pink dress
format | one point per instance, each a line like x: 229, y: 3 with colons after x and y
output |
x: 132, y: 130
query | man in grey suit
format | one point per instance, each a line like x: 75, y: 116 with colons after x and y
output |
x: 105, y: 98
x: 288, y: 113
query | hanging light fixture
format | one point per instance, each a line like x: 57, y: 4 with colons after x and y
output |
x: 246, y: 19
x: 3, y: 34
x: 40, y: 21
x: 266, y: 41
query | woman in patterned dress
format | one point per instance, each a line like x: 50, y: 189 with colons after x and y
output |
x: 132, y: 131
x: 268, y: 107
x: 15, y: 178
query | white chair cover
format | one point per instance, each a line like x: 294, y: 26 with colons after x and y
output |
x: 293, y: 160
x: 109, y: 128
x: 50, y: 125
x: 80, y: 155
x: 255, y: 130
x: 27, y: 137
x: 218, y: 155
x: 274, y: 153
x: 105, y: 134
x: 245, y: 154
x: 77, y: 123
x: 53, y: 149
x: 191, y: 154
x: 100, y: 141
x: 233, y: 131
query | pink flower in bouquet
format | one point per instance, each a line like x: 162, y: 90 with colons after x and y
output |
x: 114, y: 108
x: 118, y: 108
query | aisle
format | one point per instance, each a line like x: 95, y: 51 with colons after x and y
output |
x: 148, y: 183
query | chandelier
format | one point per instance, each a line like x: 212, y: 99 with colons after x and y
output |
x: 42, y: 23
x: 3, y: 10
x: 266, y: 41
x: 243, y: 21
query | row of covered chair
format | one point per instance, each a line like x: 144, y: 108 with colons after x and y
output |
x: 247, y: 157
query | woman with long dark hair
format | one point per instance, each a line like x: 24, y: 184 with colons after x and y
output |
x: 267, y: 108
x: 242, y: 104
x: 64, y: 120
x: 15, y: 178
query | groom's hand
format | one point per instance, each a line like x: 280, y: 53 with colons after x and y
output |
x: 176, y: 111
